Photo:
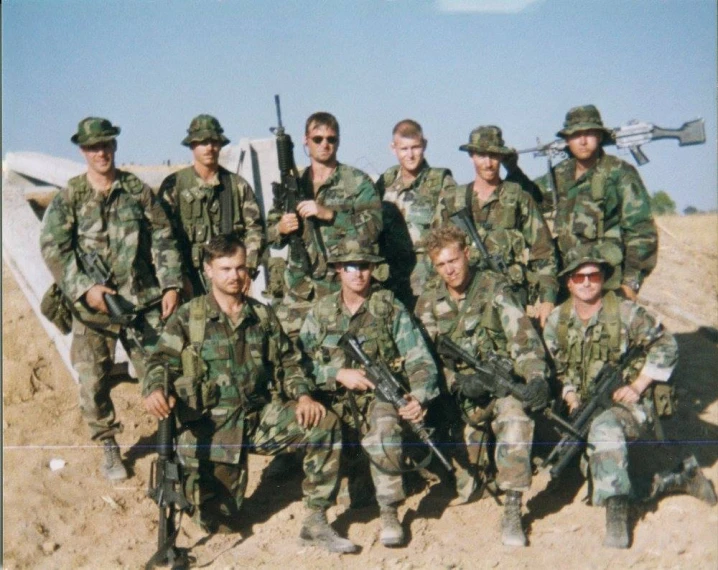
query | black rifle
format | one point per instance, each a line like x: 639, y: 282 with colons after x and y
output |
x: 96, y: 270
x: 388, y: 388
x: 462, y: 219
x: 165, y: 489
x: 495, y: 373
x: 286, y: 192
x: 574, y: 433
x: 631, y: 136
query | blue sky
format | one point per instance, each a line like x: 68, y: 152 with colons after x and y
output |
x: 150, y: 66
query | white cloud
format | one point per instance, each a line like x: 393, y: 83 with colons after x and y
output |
x: 495, y: 6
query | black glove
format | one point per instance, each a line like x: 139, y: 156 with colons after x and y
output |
x: 469, y: 386
x: 537, y: 393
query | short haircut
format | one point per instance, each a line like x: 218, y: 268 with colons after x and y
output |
x: 442, y: 237
x: 222, y: 246
x: 322, y: 119
x: 408, y: 128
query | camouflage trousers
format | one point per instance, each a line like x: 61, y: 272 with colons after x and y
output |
x: 513, y: 431
x: 607, y: 450
x: 93, y: 354
x: 217, y: 489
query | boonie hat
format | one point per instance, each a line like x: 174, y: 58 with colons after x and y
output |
x: 203, y: 128
x: 486, y: 139
x: 583, y: 118
x: 93, y: 130
x: 583, y: 254
x: 350, y: 250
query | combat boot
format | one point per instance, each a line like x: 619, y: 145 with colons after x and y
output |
x: 687, y: 478
x: 512, y: 533
x: 392, y: 533
x: 317, y: 531
x: 112, y: 468
x: 616, y: 522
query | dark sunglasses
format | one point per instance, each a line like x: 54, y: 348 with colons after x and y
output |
x: 594, y: 277
x: 358, y: 266
x: 320, y: 140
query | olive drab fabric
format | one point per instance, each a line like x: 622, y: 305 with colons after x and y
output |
x: 408, y: 211
x: 513, y: 228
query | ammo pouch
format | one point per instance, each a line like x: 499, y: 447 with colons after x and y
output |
x: 664, y: 399
x: 57, y: 309
x: 196, y: 397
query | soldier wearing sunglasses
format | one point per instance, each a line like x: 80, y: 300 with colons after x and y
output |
x: 592, y: 328
x: 339, y: 203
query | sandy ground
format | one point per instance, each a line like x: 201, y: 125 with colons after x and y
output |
x: 72, y: 518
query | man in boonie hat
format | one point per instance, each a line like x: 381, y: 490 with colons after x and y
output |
x: 507, y: 220
x: 112, y: 215
x: 601, y: 199
x: 388, y: 334
x: 207, y: 200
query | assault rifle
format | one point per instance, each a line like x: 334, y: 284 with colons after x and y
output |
x: 120, y: 313
x: 286, y: 191
x: 462, y: 219
x: 574, y: 433
x: 494, y: 374
x: 165, y: 489
x: 631, y: 136
x: 388, y: 388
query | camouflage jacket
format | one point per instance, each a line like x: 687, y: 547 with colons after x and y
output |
x: 581, y: 350
x: 386, y: 331
x: 510, y: 223
x: 351, y: 194
x: 227, y: 375
x: 607, y: 206
x: 128, y: 229
x: 487, y: 318
x: 196, y: 212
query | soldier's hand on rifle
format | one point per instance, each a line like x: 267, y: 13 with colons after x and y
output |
x: 629, y: 293
x: 537, y: 393
x: 631, y: 393
x: 170, y: 301
x: 95, y: 298
x: 288, y: 223
x: 543, y: 310
x: 572, y: 401
x: 309, y: 412
x: 158, y: 406
x: 510, y: 161
x: 354, y: 379
x: 412, y: 412
x: 309, y: 208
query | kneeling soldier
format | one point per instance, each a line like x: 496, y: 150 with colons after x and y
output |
x: 237, y: 385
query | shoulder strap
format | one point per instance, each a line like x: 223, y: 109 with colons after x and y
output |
x: 226, y: 216
x: 562, y: 329
x: 197, y: 320
x: 613, y: 325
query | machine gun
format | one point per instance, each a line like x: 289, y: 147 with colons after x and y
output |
x: 120, y: 313
x: 165, y: 489
x: 286, y: 192
x: 388, y: 389
x: 494, y: 374
x: 462, y: 219
x: 631, y: 136
x: 574, y: 433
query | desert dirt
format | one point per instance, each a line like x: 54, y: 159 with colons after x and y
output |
x: 73, y: 518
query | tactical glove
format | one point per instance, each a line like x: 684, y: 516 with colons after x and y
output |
x: 537, y: 393
x: 469, y: 386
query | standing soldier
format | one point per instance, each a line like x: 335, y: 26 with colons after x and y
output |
x: 410, y: 194
x: 508, y: 220
x: 388, y: 334
x: 601, y: 201
x: 107, y: 219
x: 339, y: 202
x: 206, y: 200
x: 478, y: 312
x: 237, y: 385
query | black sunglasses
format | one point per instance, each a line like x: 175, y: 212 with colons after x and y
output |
x: 320, y: 140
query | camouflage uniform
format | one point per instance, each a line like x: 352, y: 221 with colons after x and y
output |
x: 510, y: 225
x: 488, y: 318
x: 579, y: 353
x: 387, y: 332
x: 608, y: 207
x: 237, y: 391
x: 131, y: 234
x: 408, y: 210
x: 195, y: 206
x: 351, y: 194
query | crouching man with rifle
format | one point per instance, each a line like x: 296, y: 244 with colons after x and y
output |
x: 478, y: 312
x: 614, y: 360
x: 363, y: 310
